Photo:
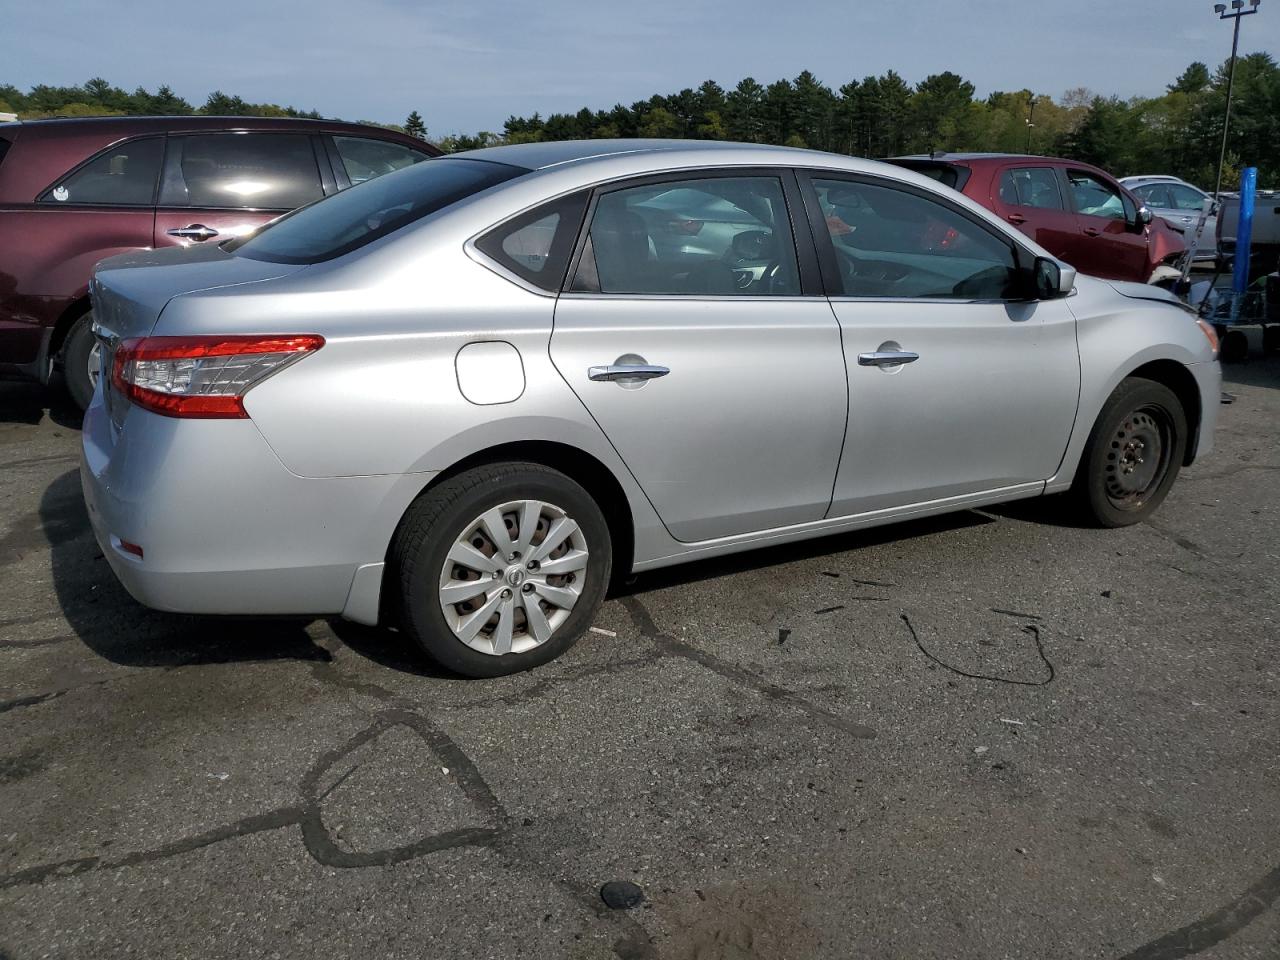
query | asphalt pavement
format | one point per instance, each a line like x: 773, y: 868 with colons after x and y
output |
x: 988, y: 735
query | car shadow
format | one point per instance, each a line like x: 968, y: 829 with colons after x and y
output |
x: 24, y: 401
x: 117, y: 628
x: 103, y: 616
x: 700, y: 570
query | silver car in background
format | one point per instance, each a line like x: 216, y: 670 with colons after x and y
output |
x: 462, y: 397
x: 1178, y: 204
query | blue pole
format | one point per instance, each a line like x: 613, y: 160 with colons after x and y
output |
x: 1244, y: 232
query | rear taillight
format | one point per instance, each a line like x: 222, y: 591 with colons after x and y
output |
x: 203, y: 377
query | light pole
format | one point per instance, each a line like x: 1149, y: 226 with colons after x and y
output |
x: 1031, y: 117
x: 1235, y: 13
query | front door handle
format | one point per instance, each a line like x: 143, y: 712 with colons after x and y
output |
x: 1017, y: 218
x: 1092, y: 232
x: 626, y: 371
x: 887, y: 358
x: 196, y: 231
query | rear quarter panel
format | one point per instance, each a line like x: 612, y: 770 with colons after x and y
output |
x: 382, y: 395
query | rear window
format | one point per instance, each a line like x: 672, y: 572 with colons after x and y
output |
x: 948, y: 174
x: 367, y: 211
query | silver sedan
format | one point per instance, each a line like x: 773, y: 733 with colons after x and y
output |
x: 461, y: 398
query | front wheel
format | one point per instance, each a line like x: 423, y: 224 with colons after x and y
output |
x: 1133, y: 454
x: 501, y: 568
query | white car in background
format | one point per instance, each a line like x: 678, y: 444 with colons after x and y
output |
x: 1178, y: 204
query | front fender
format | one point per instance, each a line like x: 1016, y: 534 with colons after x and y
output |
x: 1116, y: 336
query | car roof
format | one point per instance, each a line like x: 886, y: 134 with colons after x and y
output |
x: 980, y: 159
x: 543, y: 154
x: 1152, y: 178
x: 88, y: 125
x: 47, y: 148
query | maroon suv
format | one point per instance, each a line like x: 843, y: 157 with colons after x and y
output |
x: 75, y: 191
x: 1077, y: 212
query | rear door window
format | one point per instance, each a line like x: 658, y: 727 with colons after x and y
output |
x: 719, y: 236
x: 1155, y: 195
x: 123, y: 175
x: 364, y: 158
x: 271, y: 171
x: 1031, y: 187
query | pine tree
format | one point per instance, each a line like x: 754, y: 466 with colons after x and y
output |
x: 414, y: 126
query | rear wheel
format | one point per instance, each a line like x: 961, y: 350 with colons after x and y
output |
x: 501, y: 568
x: 81, y: 360
x: 1133, y: 454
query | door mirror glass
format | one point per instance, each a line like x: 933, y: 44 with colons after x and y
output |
x: 1052, y: 279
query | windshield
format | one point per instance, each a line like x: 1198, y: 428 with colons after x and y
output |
x: 361, y: 214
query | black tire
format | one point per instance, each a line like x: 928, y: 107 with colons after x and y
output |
x: 432, y: 525
x: 1115, y: 485
x: 1234, y: 346
x: 1271, y: 338
x: 75, y: 360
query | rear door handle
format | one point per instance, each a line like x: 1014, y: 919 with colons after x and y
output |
x: 626, y: 371
x: 1091, y: 232
x: 1017, y: 218
x: 196, y: 231
x: 887, y: 358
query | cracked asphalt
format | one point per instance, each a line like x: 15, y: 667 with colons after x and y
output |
x: 988, y: 735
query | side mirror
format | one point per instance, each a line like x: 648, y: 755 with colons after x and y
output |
x: 1052, y: 279
x: 1145, y: 216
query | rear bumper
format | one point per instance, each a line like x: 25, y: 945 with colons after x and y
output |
x: 225, y: 528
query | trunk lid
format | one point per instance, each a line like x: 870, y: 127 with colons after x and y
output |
x: 129, y: 292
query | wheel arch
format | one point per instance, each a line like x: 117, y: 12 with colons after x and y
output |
x: 577, y: 464
x: 1176, y: 376
x: 62, y: 326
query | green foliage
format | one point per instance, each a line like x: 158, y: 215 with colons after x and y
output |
x: 414, y: 126
x: 879, y: 116
x: 1178, y: 132
x: 98, y: 98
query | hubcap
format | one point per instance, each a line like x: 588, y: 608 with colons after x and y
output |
x: 95, y: 363
x: 513, y: 576
x: 1138, y: 458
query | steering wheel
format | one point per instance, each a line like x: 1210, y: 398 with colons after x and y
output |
x: 777, y: 270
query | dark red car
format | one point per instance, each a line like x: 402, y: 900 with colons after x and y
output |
x: 75, y: 191
x: 1079, y: 213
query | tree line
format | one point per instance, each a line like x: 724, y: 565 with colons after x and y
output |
x: 1178, y: 132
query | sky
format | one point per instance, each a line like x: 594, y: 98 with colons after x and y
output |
x: 467, y: 66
